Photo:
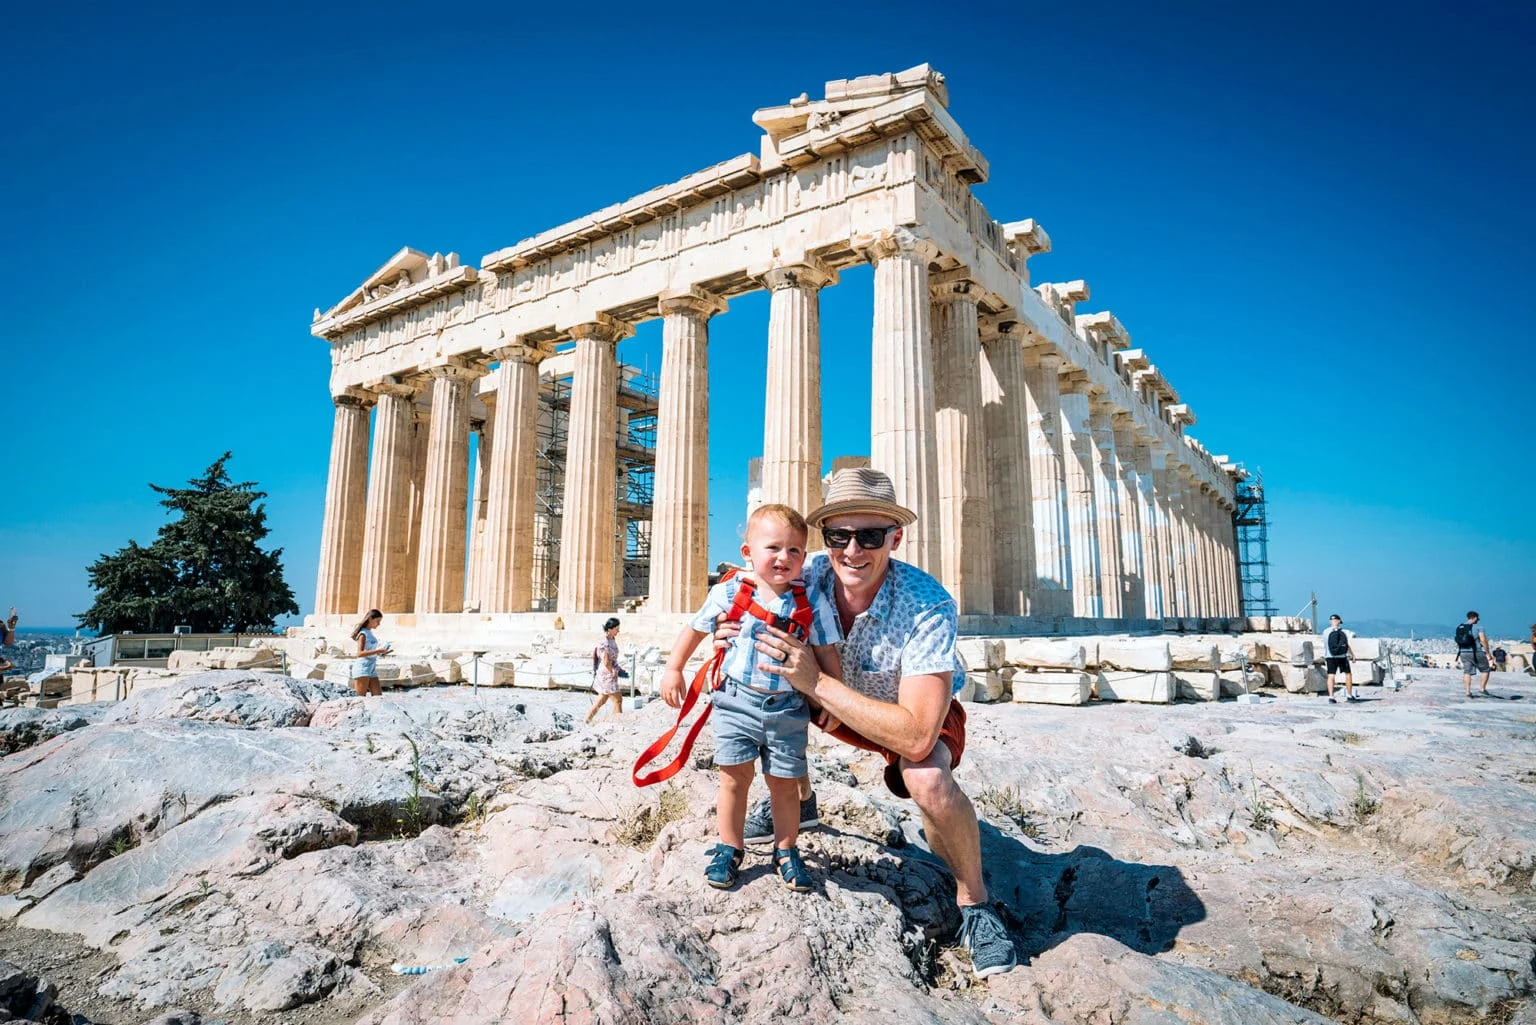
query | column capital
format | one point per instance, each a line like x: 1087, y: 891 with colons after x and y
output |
x: 520, y: 350
x: 399, y: 387
x: 355, y: 397
x: 1002, y: 329
x: 1074, y: 380
x: 901, y: 242
x: 1044, y: 357
x: 954, y: 285
x: 454, y: 369
x: 601, y: 328
x: 690, y: 301
x: 806, y: 273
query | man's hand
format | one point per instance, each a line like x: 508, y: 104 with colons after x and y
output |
x: 726, y: 631
x: 673, y: 687
x: 795, y: 662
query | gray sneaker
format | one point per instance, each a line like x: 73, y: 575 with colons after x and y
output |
x: 986, y: 940
x: 760, y: 819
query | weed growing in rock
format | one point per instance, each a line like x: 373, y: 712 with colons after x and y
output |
x: 122, y: 845
x: 1005, y: 801
x: 1365, y: 804
x: 409, y: 821
x: 643, y: 829
x: 1259, y: 811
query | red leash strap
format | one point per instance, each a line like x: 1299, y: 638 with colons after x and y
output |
x: 708, y: 671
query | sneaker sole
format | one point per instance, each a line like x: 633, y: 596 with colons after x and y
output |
x: 721, y: 886
x: 982, y: 973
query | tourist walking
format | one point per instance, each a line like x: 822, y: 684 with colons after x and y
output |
x: 899, y: 627
x: 365, y: 672
x: 758, y: 716
x: 605, y: 670
x: 1473, y: 650
x: 1337, y: 654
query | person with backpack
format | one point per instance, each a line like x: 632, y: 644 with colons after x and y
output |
x: 1337, y: 654
x: 1474, y: 659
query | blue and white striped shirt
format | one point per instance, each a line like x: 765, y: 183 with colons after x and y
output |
x: 741, y: 657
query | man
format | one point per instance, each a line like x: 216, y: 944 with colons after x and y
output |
x: 1336, y: 654
x: 896, y: 698
x: 1474, y: 659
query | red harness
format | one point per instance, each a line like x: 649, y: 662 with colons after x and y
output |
x: 797, y: 623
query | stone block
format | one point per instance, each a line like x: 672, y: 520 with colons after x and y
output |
x: 1234, y: 683
x: 55, y: 685
x: 983, y: 687
x: 1364, y: 672
x: 446, y: 670
x: 1143, y: 654
x: 1147, y: 687
x: 1052, y: 688
x: 1197, y: 685
x: 1300, y: 652
x: 980, y: 653
x: 1306, y: 679
x: 1193, y: 654
x: 1039, y: 653
x: 1366, y: 649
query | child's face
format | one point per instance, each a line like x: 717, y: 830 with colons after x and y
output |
x: 775, y: 550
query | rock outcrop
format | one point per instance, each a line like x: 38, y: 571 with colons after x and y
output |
x: 268, y: 846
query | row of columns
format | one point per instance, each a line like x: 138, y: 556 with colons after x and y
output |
x: 1034, y: 495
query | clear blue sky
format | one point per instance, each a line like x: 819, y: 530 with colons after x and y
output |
x: 1316, y: 218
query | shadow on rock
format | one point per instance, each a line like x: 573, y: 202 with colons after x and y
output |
x: 1053, y: 897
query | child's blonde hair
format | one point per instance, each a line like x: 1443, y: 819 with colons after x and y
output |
x: 777, y: 511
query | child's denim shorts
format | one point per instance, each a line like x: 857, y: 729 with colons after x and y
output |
x: 749, y: 724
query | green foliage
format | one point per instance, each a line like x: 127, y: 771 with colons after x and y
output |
x: 410, y: 820
x: 205, y: 567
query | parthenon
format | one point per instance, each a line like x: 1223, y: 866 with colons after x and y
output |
x: 1047, y: 459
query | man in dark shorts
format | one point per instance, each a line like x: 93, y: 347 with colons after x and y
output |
x: 896, y: 697
x: 1337, y: 653
x: 1473, y: 651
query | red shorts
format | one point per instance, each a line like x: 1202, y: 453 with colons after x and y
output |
x: 951, y: 733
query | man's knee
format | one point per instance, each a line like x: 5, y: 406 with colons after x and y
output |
x: 930, y: 781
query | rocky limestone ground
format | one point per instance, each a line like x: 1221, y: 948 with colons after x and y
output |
x: 243, y: 847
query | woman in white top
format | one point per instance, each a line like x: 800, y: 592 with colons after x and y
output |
x: 365, y: 674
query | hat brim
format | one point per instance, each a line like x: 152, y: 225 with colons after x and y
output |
x: 869, y: 506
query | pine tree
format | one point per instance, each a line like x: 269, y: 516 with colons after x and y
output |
x: 205, y: 568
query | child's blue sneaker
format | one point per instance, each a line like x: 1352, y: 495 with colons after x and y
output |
x: 724, y: 866
x: 791, y: 869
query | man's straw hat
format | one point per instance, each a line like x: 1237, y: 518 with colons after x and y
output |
x: 859, y: 489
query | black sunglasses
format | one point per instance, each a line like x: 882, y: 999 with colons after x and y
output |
x: 869, y: 538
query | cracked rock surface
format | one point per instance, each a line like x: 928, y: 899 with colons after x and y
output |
x: 263, y: 849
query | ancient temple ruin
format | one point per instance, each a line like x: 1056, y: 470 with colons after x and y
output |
x: 1047, y: 459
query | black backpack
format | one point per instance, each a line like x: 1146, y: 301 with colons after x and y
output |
x: 1465, y: 635
x: 1338, y: 643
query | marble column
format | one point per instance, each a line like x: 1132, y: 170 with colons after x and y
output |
x: 483, y: 430
x: 510, y: 504
x: 387, y: 577
x: 791, y: 467
x: 1051, y: 594
x: 420, y: 437
x: 1162, y: 498
x: 966, y: 549
x: 590, y: 515
x: 1005, y: 421
x: 902, y: 431
x: 680, y: 513
x: 1146, y: 505
x: 346, y: 499
x: 1178, y: 537
x: 1082, y: 514
x: 1132, y: 556
x: 445, y: 493
x: 1107, y: 510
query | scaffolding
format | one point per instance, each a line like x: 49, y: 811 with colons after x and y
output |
x: 634, y: 488
x: 1251, y: 523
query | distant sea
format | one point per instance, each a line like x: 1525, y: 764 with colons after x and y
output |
x: 67, y: 631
